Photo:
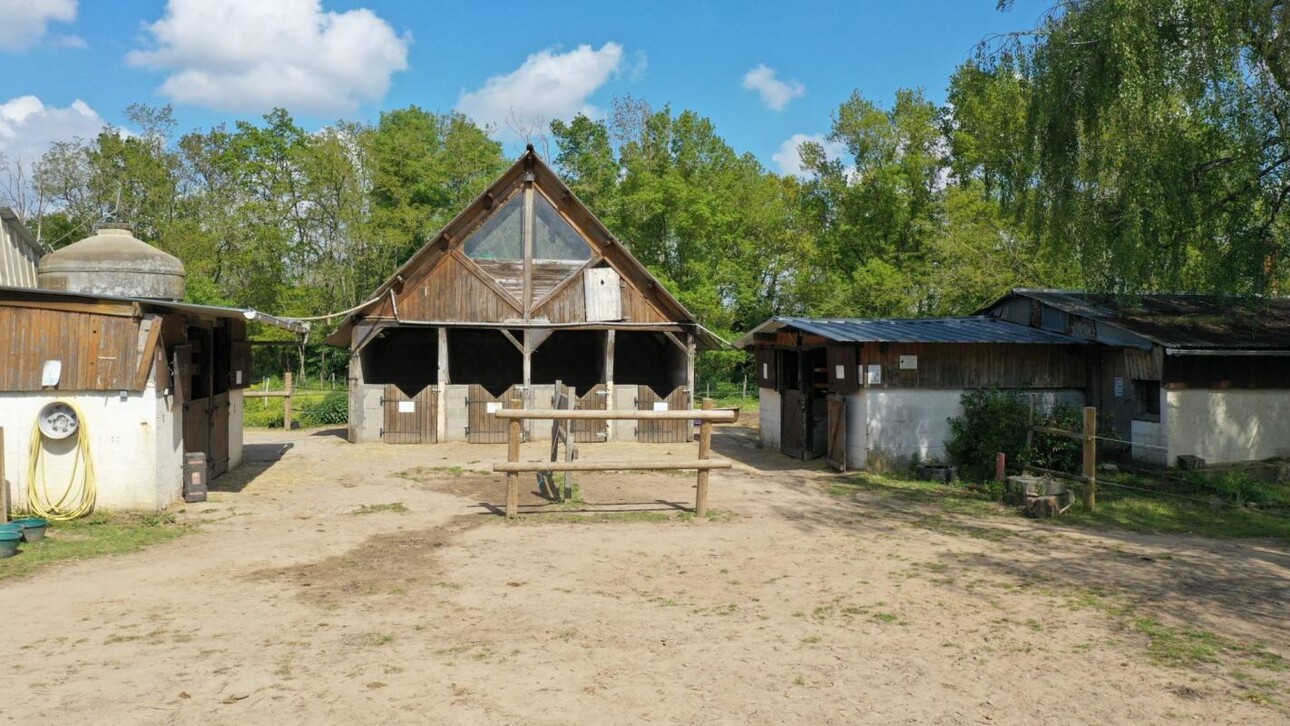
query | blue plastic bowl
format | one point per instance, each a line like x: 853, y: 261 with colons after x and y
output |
x: 11, y: 528
x: 9, y: 544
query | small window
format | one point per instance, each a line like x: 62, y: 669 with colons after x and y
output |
x: 501, y: 236
x: 553, y: 238
x: 1147, y: 396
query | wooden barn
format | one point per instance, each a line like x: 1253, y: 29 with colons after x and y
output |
x: 1177, y: 375
x: 149, y: 378
x: 524, y: 288
x: 877, y: 394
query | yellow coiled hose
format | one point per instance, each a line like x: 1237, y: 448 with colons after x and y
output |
x: 75, y: 501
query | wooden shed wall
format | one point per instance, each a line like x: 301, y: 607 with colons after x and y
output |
x: 98, y: 352
x: 979, y: 365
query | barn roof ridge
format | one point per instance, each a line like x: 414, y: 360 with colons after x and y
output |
x: 608, y: 245
x: 963, y: 329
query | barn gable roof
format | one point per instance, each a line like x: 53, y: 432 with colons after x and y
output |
x: 488, y: 277
x: 1174, y: 321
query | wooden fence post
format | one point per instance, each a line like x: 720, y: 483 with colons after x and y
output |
x: 705, y: 451
x: 513, y: 455
x: 286, y: 402
x: 1090, y: 457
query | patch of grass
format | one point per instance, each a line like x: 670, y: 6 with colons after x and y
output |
x: 1141, y: 511
x: 94, y: 536
x: 955, y: 498
x: 398, y: 507
x: 1179, y: 647
x: 422, y: 473
x: 885, y: 617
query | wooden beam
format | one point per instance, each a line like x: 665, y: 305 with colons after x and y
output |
x: 528, y: 249
x: 515, y: 342
x: 445, y: 375
x: 720, y: 415
x: 516, y: 467
x: 705, y: 454
x: 675, y: 341
x: 572, y: 278
x: 116, y: 309
x: 488, y: 280
x: 1090, y: 457
x: 151, y: 327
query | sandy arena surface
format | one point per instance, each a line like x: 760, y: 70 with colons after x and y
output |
x: 790, y: 606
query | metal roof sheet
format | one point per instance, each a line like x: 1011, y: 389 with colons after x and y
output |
x: 974, y: 329
x: 1180, y: 321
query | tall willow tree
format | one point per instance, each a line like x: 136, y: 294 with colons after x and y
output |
x: 1156, y: 140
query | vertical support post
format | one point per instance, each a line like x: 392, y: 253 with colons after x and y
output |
x: 528, y: 246
x: 4, y: 484
x: 568, y: 446
x: 689, y: 379
x: 286, y: 401
x: 610, y: 341
x: 528, y: 379
x: 1000, y: 466
x: 513, y: 455
x: 1090, y: 457
x: 444, y: 378
x: 705, y: 451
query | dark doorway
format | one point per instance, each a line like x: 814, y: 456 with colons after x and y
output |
x: 407, y: 358
x: 576, y: 357
x: 485, y: 358
x: 649, y: 359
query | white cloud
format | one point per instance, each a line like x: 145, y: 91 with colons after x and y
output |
x: 789, y: 156
x: 253, y: 55
x: 28, y: 127
x: 25, y: 22
x: 774, y: 93
x: 547, y: 86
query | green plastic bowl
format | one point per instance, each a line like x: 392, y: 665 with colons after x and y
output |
x: 33, y: 528
x: 9, y: 544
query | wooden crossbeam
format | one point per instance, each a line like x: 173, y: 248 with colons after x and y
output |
x: 714, y: 415
x: 513, y: 467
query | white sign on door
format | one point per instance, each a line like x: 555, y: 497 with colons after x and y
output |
x: 407, y: 406
x: 909, y: 362
x: 492, y: 407
x: 660, y: 405
x: 874, y: 377
x: 839, y: 371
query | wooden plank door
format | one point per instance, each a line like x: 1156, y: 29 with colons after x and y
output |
x: 197, y: 427
x: 792, y: 423
x: 410, y: 419
x: 591, y: 432
x: 482, y: 427
x: 837, y: 452
x: 663, y: 432
x: 218, y: 453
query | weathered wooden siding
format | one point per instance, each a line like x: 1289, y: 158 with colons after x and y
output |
x: 965, y: 365
x: 568, y: 306
x: 98, y: 352
x: 637, y: 309
x: 451, y: 291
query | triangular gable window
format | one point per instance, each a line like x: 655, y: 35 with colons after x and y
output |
x: 501, y: 236
x: 553, y: 238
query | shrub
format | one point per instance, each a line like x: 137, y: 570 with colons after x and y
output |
x: 996, y: 421
x: 1233, y: 486
x: 332, y: 410
x: 992, y: 421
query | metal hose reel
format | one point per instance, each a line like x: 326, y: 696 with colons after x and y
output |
x: 58, y: 420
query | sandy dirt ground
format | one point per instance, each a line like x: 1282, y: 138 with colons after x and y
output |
x: 791, y: 605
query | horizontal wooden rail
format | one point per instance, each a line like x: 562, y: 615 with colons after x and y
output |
x: 510, y: 467
x: 1059, y: 432
x: 247, y: 393
x: 714, y: 415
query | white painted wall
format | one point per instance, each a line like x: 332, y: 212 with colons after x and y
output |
x: 857, y: 431
x: 903, y: 423
x: 623, y: 399
x: 134, y: 441
x: 1149, y: 434
x: 236, y: 405
x: 770, y: 413
x: 1227, y: 425
x: 456, y: 416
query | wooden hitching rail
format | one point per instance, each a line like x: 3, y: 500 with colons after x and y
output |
x: 706, y: 417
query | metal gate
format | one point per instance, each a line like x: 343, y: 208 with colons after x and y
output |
x: 837, y: 455
x: 663, y: 432
x: 482, y: 427
x: 792, y: 423
x: 588, y: 431
x: 410, y: 419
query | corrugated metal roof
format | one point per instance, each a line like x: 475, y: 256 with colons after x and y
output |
x: 19, y: 252
x: 1179, y: 321
x: 975, y: 329
x: 213, y: 311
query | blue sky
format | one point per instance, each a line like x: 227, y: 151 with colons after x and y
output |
x: 765, y: 73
